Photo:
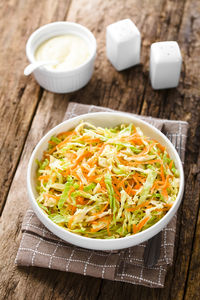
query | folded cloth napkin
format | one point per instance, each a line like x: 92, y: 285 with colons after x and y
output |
x: 39, y: 247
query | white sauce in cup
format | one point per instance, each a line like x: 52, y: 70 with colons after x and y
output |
x: 69, y: 50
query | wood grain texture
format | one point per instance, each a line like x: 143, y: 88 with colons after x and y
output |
x: 192, y: 289
x: 129, y: 90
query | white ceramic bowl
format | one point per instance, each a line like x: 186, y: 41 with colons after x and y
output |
x: 103, y: 119
x: 62, y: 81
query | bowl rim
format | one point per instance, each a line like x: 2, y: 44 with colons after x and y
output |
x: 77, y: 26
x: 106, y: 243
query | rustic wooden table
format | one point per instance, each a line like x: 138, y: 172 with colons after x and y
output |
x: 27, y: 112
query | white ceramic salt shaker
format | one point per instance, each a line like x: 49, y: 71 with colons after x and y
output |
x: 123, y: 43
x: 165, y: 65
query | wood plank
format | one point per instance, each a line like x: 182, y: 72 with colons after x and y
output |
x: 184, y: 104
x: 128, y: 90
x: 19, y: 95
x: 192, y: 289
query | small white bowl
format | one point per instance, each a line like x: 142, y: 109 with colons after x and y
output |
x: 103, y: 119
x: 62, y: 81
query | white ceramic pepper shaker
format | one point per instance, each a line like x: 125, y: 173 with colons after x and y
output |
x: 165, y: 65
x: 123, y: 42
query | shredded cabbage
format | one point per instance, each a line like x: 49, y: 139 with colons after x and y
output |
x: 106, y: 182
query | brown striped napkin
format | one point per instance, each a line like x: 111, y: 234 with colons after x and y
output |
x: 39, y: 247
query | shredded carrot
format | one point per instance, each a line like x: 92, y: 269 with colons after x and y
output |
x: 162, y: 148
x: 52, y: 196
x: 96, y: 221
x: 142, y: 223
x: 71, y: 221
x: 92, y: 178
x: 136, y: 179
x: 136, y: 140
x: 149, y: 206
x: 134, y: 228
x: 171, y: 164
x: 140, y: 154
x: 102, y: 183
x: 73, y: 208
x: 66, y: 172
x: 72, y: 189
x: 64, y: 134
x: 108, y: 228
x: 121, y: 184
x: 98, y: 228
x: 44, y: 177
x: 117, y: 193
x: 50, y: 151
x: 104, y: 208
x: 160, y: 209
x: 61, y: 143
x: 166, y: 184
x: 164, y: 193
x: 141, y: 180
x: 168, y: 205
x: 162, y: 173
x: 138, y: 206
x: 89, y: 140
x: 80, y: 200
x: 80, y: 158
x: 128, y: 189
x: 153, y: 187
x: 52, y: 143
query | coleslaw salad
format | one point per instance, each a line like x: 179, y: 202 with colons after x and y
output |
x: 106, y: 183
